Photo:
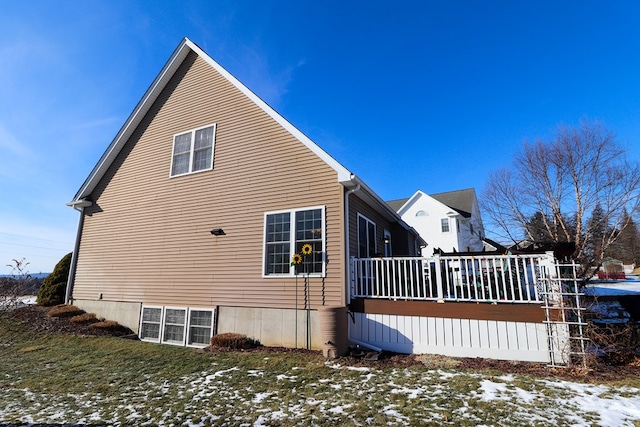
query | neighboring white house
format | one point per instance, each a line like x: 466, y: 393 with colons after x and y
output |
x: 448, y: 221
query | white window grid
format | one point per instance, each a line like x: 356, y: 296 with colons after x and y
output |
x: 186, y: 328
x: 292, y: 242
x: 194, y: 152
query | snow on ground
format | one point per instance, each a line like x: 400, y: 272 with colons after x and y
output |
x: 613, y: 288
x: 402, y: 396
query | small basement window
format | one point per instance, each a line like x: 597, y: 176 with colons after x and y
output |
x: 151, y: 323
x: 175, y: 325
x: 200, y: 327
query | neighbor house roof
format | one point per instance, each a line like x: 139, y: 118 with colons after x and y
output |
x: 460, y: 200
x: 344, y: 176
x: 398, y: 203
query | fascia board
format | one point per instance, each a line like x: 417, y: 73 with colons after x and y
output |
x: 409, y: 202
x: 344, y: 176
x: 134, y: 120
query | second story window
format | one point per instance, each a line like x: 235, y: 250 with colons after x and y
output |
x: 444, y: 223
x: 193, y: 151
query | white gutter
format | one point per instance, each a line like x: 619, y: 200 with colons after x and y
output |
x: 78, y: 205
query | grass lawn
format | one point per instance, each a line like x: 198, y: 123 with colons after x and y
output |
x: 67, y: 379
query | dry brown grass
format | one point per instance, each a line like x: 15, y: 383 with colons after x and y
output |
x: 84, y: 318
x: 435, y: 361
x: 233, y: 341
x: 106, y: 324
x: 64, y: 310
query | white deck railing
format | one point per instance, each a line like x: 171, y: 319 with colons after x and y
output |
x: 490, y: 278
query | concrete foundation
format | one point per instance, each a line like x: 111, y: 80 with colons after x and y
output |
x: 125, y: 313
x: 272, y: 327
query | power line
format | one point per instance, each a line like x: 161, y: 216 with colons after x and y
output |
x: 31, y: 237
x: 32, y: 246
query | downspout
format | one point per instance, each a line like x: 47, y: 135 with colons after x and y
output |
x: 347, y: 239
x: 79, y: 206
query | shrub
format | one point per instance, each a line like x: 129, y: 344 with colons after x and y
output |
x: 233, y: 341
x: 85, y: 318
x: 111, y: 325
x: 54, y: 286
x: 63, y: 310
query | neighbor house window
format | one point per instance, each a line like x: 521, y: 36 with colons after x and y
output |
x: 444, y: 222
x: 174, y: 324
x: 285, y: 234
x: 200, y: 327
x: 150, y: 323
x: 193, y: 151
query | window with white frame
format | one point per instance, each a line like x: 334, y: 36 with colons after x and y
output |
x: 444, y: 223
x: 170, y: 325
x: 200, y: 327
x: 173, y: 325
x: 193, y: 151
x: 286, y: 232
x: 151, y: 323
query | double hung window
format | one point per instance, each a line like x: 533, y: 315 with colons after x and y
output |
x: 444, y: 222
x: 193, y: 151
x: 286, y: 232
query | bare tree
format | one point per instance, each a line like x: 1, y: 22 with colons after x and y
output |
x: 12, y: 287
x: 560, y: 182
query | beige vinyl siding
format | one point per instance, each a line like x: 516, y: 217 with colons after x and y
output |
x: 358, y: 206
x: 148, y: 237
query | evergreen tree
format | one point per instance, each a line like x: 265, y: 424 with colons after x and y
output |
x: 54, y: 286
x: 626, y: 248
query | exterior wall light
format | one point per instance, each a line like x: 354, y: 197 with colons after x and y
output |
x: 218, y: 232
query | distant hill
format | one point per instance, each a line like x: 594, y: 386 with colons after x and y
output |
x: 33, y: 275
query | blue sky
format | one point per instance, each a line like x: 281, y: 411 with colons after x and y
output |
x: 429, y: 95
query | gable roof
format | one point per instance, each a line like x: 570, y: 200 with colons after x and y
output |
x: 398, y: 203
x: 152, y: 93
x: 186, y: 46
x: 460, y: 200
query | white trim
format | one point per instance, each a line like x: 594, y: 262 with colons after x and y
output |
x: 161, y: 308
x: 164, y: 324
x: 343, y: 174
x: 292, y: 240
x: 192, y: 150
x: 152, y: 93
x: 188, y: 329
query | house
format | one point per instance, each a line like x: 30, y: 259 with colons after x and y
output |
x: 191, y: 218
x: 449, y: 221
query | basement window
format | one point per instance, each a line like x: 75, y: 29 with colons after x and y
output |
x: 150, y: 324
x: 200, y: 327
x: 192, y: 327
x: 193, y: 151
